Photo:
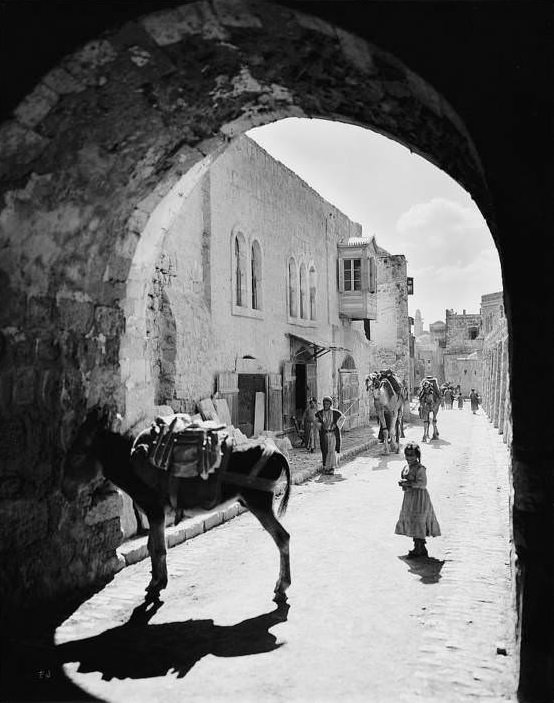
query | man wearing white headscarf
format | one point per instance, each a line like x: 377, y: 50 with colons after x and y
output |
x: 329, y: 422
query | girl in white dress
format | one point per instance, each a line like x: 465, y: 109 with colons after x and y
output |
x: 417, y: 517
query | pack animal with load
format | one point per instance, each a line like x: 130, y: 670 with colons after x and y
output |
x: 187, y: 466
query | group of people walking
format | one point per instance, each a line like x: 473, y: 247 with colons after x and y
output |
x: 452, y: 395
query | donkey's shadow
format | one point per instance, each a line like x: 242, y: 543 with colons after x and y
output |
x: 138, y: 650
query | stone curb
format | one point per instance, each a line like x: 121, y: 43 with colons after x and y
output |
x: 135, y: 550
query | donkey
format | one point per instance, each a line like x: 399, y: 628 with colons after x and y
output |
x: 429, y: 402
x: 389, y: 405
x: 249, y: 473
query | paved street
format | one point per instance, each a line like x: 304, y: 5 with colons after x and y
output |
x: 364, y: 623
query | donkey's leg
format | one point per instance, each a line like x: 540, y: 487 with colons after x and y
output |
x: 260, y: 504
x: 157, y: 550
x: 425, y: 430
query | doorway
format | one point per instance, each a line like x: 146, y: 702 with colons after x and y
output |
x: 249, y: 384
x: 300, y: 390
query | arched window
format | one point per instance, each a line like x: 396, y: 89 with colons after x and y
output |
x: 256, y: 263
x: 293, y: 289
x: 239, y: 270
x: 303, y: 292
x: 312, y: 293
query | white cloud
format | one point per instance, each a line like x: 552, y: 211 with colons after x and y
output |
x: 455, y: 286
x: 442, y: 231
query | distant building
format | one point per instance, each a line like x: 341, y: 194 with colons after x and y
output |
x: 428, y: 353
x: 462, y: 355
x: 418, y: 324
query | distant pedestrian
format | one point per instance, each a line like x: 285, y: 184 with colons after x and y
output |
x: 448, y: 398
x: 417, y: 517
x: 329, y: 423
x: 310, y: 425
x: 460, y: 401
x: 474, y: 400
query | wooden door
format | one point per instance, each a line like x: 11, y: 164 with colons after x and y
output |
x: 349, y: 401
x: 228, y: 388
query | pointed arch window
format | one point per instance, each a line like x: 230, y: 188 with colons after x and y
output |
x: 256, y: 272
x: 313, y: 283
x: 303, y: 292
x: 293, y: 288
x: 239, y: 270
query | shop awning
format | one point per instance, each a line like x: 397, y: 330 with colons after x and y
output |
x: 313, y: 347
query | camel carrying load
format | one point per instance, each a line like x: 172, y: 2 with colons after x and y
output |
x: 429, y: 402
x: 388, y: 396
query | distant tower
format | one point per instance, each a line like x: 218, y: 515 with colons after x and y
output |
x: 418, y: 324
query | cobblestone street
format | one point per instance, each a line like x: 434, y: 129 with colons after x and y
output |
x: 364, y: 622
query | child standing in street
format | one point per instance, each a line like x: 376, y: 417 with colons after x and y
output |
x: 417, y: 518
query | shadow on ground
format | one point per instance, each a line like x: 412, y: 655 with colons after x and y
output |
x: 30, y: 669
x: 330, y: 478
x: 138, y: 650
x: 427, y: 568
x: 434, y: 444
x: 32, y: 665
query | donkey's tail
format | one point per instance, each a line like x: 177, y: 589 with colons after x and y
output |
x: 285, y: 499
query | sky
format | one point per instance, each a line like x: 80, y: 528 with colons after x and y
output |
x: 410, y: 205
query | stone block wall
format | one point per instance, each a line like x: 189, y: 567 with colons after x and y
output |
x: 496, y: 372
x: 391, y: 331
x: 458, y: 327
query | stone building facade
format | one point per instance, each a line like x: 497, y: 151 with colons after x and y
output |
x: 496, y: 376
x: 462, y: 357
x: 429, y: 351
x: 261, y: 286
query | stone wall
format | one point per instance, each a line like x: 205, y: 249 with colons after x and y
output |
x: 391, y: 331
x: 496, y: 373
x: 465, y: 371
x: 463, y: 332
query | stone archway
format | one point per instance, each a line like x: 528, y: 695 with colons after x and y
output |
x: 99, y: 158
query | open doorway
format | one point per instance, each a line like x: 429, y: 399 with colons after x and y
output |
x: 300, y: 390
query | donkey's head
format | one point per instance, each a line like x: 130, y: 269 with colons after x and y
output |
x: 82, y: 463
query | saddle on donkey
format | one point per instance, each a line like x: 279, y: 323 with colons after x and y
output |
x: 183, y: 448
